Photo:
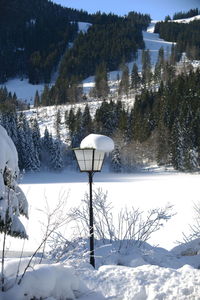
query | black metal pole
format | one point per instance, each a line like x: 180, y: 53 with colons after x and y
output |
x: 91, y: 221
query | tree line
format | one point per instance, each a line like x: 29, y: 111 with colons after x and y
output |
x: 186, y: 35
x: 183, y: 15
x: 33, y: 36
x: 162, y: 126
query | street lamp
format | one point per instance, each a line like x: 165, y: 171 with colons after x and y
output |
x: 90, y: 160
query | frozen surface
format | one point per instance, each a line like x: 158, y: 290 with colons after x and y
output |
x: 98, y: 142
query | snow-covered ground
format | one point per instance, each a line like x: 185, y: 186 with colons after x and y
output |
x: 145, y: 190
x: 148, y: 273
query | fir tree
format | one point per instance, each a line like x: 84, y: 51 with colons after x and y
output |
x: 135, y: 78
x: 56, y: 158
x: 116, y: 165
x: 146, y: 67
x: 101, y: 89
x: 37, y: 99
x: 124, y: 83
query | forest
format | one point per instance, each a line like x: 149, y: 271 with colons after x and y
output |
x: 34, y: 38
x: 186, y: 35
x: 162, y: 125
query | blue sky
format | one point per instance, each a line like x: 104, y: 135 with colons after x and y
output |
x: 158, y: 9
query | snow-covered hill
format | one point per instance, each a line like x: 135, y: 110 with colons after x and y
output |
x: 187, y: 20
x: 26, y: 91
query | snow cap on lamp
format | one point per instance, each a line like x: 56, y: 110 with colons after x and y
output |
x: 97, y: 141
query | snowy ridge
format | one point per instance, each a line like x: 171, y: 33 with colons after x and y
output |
x: 187, y: 20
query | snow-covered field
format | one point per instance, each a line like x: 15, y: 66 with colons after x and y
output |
x: 150, y: 189
x: 150, y: 273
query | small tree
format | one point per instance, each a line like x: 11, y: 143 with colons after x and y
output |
x: 13, y: 202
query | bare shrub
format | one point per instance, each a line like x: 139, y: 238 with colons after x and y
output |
x: 131, y: 226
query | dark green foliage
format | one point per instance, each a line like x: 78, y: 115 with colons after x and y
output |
x: 108, y: 40
x: 124, y: 82
x: 135, y: 78
x: 185, y: 35
x: 146, y: 67
x: 184, y: 15
x: 172, y: 116
x: 33, y: 36
x: 101, y: 89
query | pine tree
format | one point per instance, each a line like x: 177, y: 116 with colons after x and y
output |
x: 124, y: 83
x: 28, y: 155
x: 58, y: 123
x: 146, y: 67
x: 135, y: 78
x: 116, y: 164
x: 37, y: 99
x: 36, y: 135
x: 56, y: 158
x: 86, y: 124
x: 101, y: 89
x: 159, y: 65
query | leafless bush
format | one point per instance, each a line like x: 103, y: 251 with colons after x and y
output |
x: 195, y: 228
x: 131, y: 226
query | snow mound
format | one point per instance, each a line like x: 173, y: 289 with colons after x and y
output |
x: 145, y: 282
x: 98, y: 142
x: 56, y: 281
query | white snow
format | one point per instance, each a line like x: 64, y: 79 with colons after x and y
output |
x: 23, y: 89
x: 97, y: 141
x: 186, y: 20
x: 83, y: 26
x: 45, y: 280
x: 8, y: 153
x: 12, y: 199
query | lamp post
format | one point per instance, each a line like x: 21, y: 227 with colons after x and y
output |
x: 90, y: 160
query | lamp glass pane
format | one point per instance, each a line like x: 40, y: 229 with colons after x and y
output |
x: 98, y: 160
x: 79, y: 154
x: 89, y: 159
x: 81, y: 164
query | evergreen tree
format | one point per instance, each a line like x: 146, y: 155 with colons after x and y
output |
x: 28, y: 155
x: 86, y: 124
x: 116, y: 164
x: 159, y: 67
x: 101, y: 89
x: 135, y: 78
x: 124, y: 83
x: 56, y: 158
x: 36, y: 136
x: 58, y: 123
x: 146, y: 67
x: 37, y: 99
